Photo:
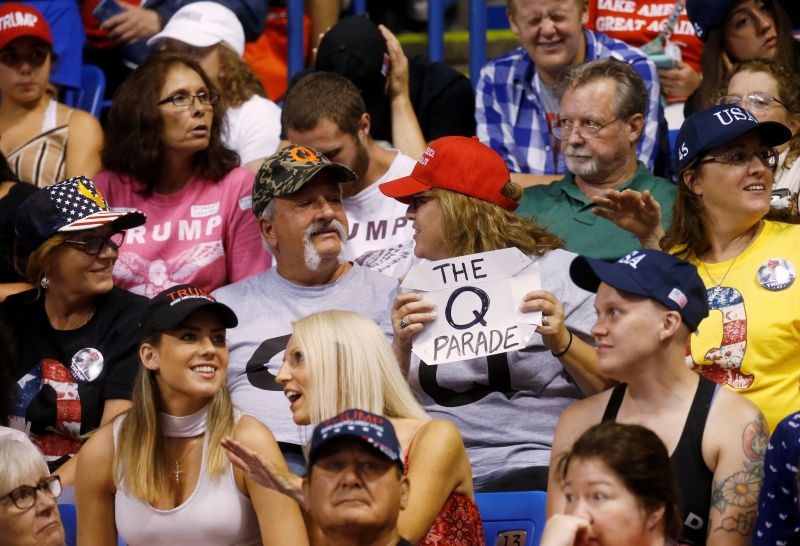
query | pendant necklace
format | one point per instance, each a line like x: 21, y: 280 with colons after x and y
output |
x: 178, y: 472
x: 718, y: 285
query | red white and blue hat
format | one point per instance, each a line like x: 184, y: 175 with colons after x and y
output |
x: 672, y: 282
x: 72, y: 205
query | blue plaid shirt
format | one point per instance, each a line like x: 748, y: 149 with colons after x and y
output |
x: 511, y: 118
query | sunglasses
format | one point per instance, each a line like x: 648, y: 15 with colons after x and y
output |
x: 94, y: 245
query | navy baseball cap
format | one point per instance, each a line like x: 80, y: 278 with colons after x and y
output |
x: 672, y: 282
x: 170, y: 307
x: 372, y: 429
x: 707, y: 14
x: 718, y: 125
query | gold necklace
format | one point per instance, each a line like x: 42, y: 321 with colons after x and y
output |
x: 178, y: 472
x: 717, y: 285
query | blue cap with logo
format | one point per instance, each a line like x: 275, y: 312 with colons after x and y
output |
x: 672, y: 282
x: 707, y: 14
x: 372, y: 429
x: 718, y: 125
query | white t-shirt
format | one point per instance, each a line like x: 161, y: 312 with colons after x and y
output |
x: 254, y: 129
x: 381, y: 237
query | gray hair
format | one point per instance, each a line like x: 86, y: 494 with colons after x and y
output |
x: 20, y: 459
x: 631, y: 96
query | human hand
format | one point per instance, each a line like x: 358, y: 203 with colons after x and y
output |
x: 680, y: 81
x: 565, y: 530
x: 410, y: 313
x: 263, y: 472
x: 398, y: 73
x: 133, y: 24
x: 555, y: 335
x: 636, y: 212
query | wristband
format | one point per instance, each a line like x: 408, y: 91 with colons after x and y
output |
x: 569, y: 344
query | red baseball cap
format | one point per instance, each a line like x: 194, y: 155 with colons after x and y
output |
x: 18, y: 20
x: 459, y: 164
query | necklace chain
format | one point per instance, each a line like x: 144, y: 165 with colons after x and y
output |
x: 178, y: 472
x: 717, y: 285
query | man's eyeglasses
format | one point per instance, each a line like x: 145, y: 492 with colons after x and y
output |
x: 93, y: 246
x: 35, y: 57
x: 563, y: 128
x: 757, y: 102
x: 24, y: 497
x: 186, y: 100
x: 738, y: 158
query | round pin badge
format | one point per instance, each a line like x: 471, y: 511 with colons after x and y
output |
x: 86, y: 365
x: 776, y: 274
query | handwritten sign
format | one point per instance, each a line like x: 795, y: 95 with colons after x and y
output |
x: 477, y: 300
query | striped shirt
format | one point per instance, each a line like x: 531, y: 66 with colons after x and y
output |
x: 511, y: 118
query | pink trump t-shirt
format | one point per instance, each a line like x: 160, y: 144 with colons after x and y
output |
x: 205, y: 234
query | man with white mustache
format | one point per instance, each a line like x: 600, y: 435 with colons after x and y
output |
x: 599, y: 125
x: 298, y: 202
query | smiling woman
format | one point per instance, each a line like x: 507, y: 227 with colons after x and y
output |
x: 161, y: 463
x: 74, y: 331
x: 168, y: 159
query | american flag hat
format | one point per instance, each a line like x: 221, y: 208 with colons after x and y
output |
x: 72, y: 205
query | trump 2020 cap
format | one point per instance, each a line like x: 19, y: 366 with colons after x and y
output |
x: 672, y: 282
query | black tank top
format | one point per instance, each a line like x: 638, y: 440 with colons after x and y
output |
x: 692, y: 476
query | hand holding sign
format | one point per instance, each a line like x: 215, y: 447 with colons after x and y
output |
x: 553, y: 331
x: 477, y: 303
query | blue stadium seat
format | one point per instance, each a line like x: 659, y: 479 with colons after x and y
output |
x: 513, y: 519
x: 90, y: 96
x: 69, y: 519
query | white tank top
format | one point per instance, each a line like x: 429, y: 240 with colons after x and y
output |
x: 215, y: 514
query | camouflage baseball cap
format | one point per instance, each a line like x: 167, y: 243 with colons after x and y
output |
x: 290, y: 169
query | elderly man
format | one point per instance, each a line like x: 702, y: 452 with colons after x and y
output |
x: 298, y: 203
x: 516, y: 102
x: 325, y: 111
x: 600, y: 123
x: 355, y: 487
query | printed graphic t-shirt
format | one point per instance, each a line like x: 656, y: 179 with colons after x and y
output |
x: 204, y: 234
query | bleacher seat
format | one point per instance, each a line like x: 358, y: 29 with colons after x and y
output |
x: 90, y: 96
x: 513, y: 519
x: 69, y: 519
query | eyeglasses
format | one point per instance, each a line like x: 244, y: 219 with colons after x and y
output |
x: 35, y: 57
x: 416, y: 201
x: 587, y: 129
x: 93, y: 246
x: 738, y: 158
x: 24, y: 497
x: 757, y: 102
x: 186, y: 100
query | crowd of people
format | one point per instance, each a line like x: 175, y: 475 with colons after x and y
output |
x: 217, y: 313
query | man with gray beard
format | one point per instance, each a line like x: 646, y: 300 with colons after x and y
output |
x: 298, y: 203
x: 600, y: 122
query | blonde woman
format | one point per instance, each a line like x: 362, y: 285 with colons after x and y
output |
x: 159, y: 475
x: 337, y: 360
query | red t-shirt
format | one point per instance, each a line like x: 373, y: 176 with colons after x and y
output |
x: 637, y: 22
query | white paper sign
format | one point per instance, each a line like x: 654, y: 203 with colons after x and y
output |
x: 477, y: 301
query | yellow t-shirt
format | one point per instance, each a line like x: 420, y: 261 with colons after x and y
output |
x: 751, y: 339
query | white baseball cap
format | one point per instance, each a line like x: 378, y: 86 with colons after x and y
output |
x: 203, y: 24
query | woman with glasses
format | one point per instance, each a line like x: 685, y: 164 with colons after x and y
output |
x: 769, y: 91
x: 505, y: 405
x: 36, y: 128
x: 28, y: 510
x: 748, y: 262
x: 158, y: 475
x: 74, y: 330
x: 165, y: 156
x: 736, y: 31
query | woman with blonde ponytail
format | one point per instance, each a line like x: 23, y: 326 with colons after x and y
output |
x: 157, y: 474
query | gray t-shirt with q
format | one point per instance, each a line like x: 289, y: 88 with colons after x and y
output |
x: 267, y: 305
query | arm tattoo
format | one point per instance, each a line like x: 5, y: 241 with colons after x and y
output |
x: 740, y: 490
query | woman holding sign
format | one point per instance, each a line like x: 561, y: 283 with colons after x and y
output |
x: 506, y: 405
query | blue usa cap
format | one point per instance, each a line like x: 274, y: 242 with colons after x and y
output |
x: 706, y: 15
x: 718, y: 125
x: 372, y: 429
x: 672, y: 282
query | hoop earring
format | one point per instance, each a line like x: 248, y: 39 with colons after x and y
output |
x: 44, y: 283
